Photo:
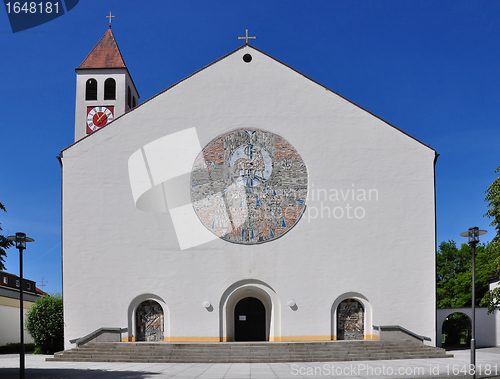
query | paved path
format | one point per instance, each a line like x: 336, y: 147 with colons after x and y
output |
x: 488, y: 361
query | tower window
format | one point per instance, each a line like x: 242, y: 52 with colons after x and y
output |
x: 129, y: 97
x: 134, y: 102
x: 91, y: 89
x: 110, y: 89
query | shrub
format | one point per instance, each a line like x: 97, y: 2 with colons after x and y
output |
x: 45, y: 323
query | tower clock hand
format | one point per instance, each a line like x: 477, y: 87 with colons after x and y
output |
x: 101, y: 116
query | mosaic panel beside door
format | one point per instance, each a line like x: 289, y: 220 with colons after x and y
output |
x: 149, y: 321
x: 350, y: 320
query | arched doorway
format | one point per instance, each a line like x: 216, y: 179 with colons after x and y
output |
x: 149, y: 321
x: 350, y: 320
x: 456, y: 331
x: 249, y: 320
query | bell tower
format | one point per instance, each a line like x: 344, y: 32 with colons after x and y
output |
x: 104, y: 87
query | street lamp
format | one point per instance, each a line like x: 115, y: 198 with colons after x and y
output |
x: 473, y: 234
x: 20, y: 239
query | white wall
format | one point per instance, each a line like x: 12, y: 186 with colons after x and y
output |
x: 9, y: 326
x: 486, y: 325
x: 113, y: 252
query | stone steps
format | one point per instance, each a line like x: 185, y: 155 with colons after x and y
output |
x: 234, y: 352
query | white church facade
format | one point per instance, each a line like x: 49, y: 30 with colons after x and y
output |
x: 246, y: 202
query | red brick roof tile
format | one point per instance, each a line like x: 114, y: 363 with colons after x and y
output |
x: 105, y: 54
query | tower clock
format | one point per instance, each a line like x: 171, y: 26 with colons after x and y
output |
x: 97, y: 117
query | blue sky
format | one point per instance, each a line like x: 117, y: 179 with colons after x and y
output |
x: 431, y: 68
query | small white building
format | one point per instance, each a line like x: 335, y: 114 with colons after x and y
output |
x: 10, y: 284
x: 245, y: 202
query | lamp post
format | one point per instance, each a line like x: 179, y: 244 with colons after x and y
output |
x: 473, y: 234
x: 20, y: 239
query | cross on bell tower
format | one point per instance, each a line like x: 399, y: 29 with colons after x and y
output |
x: 110, y: 17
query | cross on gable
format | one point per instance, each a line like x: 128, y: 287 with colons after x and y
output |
x: 246, y: 38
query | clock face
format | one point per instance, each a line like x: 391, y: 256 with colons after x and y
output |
x: 249, y: 186
x: 97, y: 117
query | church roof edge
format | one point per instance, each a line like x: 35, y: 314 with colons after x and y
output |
x: 328, y: 89
x: 201, y: 69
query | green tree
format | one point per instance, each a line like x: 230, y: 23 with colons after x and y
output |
x: 45, y: 323
x: 450, y: 263
x: 493, y: 199
x: 492, y: 298
x: 454, y: 273
x: 4, y: 244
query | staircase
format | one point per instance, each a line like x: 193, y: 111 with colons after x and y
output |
x: 234, y: 352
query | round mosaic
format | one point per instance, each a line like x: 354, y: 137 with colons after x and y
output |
x: 249, y: 186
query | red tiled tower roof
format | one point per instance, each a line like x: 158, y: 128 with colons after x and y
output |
x: 105, y: 54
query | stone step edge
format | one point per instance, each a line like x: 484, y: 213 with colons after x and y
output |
x: 347, y: 354
x: 267, y: 348
x: 263, y: 353
x: 194, y: 351
x: 277, y: 360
